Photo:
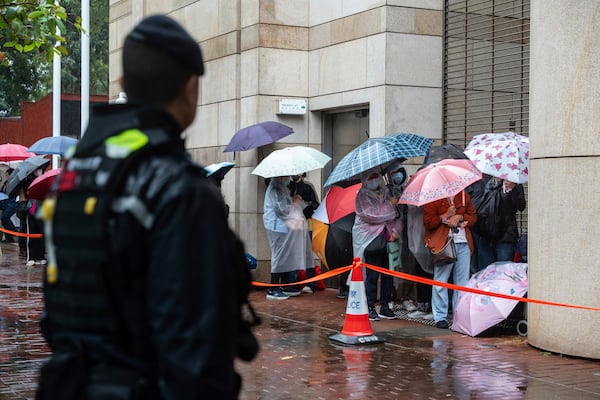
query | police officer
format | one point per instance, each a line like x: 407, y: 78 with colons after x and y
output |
x: 140, y: 298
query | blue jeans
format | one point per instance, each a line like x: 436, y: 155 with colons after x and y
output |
x: 460, y: 271
x: 8, y: 207
x: 505, y: 252
x: 488, y: 253
x: 386, y: 281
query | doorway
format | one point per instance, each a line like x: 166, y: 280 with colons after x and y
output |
x: 342, y: 132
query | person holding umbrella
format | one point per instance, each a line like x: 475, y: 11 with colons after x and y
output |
x: 8, y: 206
x: 502, y: 246
x: 375, y: 224
x: 457, y: 214
x: 287, y: 232
x: 307, y: 192
x: 448, y: 213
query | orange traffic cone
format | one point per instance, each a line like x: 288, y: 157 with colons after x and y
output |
x: 357, y: 327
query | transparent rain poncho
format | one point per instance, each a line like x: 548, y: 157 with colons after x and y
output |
x: 374, y: 212
x: 286, y: 228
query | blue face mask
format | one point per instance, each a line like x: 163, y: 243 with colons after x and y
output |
x: 398, y: 178
x: 372, y: 184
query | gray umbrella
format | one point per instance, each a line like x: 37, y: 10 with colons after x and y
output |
x: 22, y: 172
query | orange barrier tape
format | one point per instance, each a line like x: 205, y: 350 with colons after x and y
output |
x: 324, y: 275
x: 427, y: 281
x: 29, y: 235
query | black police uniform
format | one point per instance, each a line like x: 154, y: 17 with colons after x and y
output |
x: 142, y: 304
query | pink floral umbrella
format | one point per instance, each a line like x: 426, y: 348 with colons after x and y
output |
x: 503, y: 155
x: 439, y: 180
x: 474, y: 313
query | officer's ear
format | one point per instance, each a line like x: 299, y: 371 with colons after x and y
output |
x: 183, y: 107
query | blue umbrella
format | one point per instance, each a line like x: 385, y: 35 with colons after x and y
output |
x: 257, y: 135
x: 53, y: 145
x: 376, y: 152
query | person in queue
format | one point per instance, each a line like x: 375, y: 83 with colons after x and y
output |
x: 375, y: 224
x: 452, y: 216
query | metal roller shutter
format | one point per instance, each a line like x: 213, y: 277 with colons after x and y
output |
x: 486, y: 70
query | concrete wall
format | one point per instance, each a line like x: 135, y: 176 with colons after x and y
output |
x: 336, y: 54
x: 564, y: 171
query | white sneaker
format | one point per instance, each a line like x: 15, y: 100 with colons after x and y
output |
x: 43, y: 261
x: 307, y: 289
x: 428, y: 317
x: 409, y: 305
x: 416, y: 314
x: 30, y: 263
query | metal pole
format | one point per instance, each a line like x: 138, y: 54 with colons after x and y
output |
x: 85, y: 64
x: 56, y: 94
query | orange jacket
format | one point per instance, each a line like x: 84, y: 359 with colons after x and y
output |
x: 435, y: 231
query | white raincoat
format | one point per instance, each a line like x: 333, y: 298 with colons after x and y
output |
x: 287, y: 229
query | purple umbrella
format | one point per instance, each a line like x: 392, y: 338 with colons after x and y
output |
x: 257, y: 135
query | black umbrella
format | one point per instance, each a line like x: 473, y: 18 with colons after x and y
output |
x: 450, y: 151
x: 338, y: 247
x: 443, y: 152
x: 23, y: 174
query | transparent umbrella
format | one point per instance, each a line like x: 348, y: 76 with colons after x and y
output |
x: 291, y: 161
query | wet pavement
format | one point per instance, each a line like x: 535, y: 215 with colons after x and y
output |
x: 297, y: 360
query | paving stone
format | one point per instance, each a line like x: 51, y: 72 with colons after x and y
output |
x: 298, y: 361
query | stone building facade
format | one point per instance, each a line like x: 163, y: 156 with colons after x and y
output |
x: 368, y: 68
x: 364, y: 68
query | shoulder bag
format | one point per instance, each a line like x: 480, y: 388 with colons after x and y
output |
x: 447, y: 255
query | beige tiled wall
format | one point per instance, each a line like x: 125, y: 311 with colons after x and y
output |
x: 385, y: 55
x: 564, y: 170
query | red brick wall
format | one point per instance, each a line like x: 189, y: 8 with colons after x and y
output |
x: 11, y: 130
x: 35, y: 121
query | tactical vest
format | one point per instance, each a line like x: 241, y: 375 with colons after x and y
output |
x: 78, y: 289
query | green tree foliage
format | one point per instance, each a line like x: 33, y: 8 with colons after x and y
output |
x: 22, y: 80
x: 31, y: 25
x: 27, y: 75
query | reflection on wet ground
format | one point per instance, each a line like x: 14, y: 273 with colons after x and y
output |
x: 418, y: 361
x: 297, y: 360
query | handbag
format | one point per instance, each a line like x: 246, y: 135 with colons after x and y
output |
x: 447, y: 255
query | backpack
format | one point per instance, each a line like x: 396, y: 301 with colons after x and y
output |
x: 489, y: 222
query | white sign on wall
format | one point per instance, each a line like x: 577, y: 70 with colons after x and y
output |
x: 291, y: 106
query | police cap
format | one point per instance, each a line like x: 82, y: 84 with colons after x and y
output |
x: 165, y: 33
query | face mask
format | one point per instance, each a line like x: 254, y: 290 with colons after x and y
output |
x: 372, y: 184
x: 398, y: 178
